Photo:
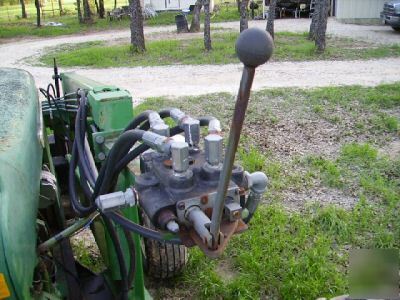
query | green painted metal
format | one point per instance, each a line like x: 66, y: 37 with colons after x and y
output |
x: 110, y: 106
x: 20, y: 168
x: 111, y: 110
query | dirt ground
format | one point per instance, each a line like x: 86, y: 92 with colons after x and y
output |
x: 197, y: 80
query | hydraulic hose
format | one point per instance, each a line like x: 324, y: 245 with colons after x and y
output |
x: 120, y: 256
x: 80, y: 132
x: 143, y: 231
x: 121, y: 147
x: 144, y: 116
x: 81, y: 210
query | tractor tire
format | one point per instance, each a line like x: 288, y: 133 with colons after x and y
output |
x: 162, y: 260
x: 396, y: 28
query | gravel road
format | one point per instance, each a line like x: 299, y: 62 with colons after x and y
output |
x: 195, y: 80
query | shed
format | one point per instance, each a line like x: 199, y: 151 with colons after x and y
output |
x: 358, y: 11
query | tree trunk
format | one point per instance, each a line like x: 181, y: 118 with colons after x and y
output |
x: 320, y: 32
x: 137, y: 35
x: 207, y: 29
x: 79, y: 11
x: 37, y: 5
x: 271, y: 18
x: 23, y: 10
x: 96, y: 4
x: 244, y: 22
x: 314, y: 20
x: 195, y: 25
x: 102, y: 11
x: 60, y: 7
x: 87, y: 14
x: 238, y: 5
x: 115, y: 4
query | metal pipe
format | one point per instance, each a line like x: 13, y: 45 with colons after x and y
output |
x: 67, y: 232
x: 234, y: 136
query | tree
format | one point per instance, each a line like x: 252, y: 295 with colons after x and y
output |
x: 23, y: 10
x: 314, y: 20
x: 207, y: 27
x: 78, y: 9
x: 37, y: 5
x: 195, y: 25
x: 102, y: 11
x: 271, y: 18
x: 137, y: 35
x: 244, y: 22
x: 60, y: 7
x: 87, y: 13
x: 322, y: 22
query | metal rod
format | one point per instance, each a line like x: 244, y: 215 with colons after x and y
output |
x: 45, y: 246
x: 234, y: 136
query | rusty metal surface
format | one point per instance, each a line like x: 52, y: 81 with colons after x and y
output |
x: 190, y: 238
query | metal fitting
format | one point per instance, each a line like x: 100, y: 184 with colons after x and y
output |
x: 190, y: 126
x: 214, y: 126
x: 172, y: 226
x: 157, y: 125
x: 233, y: 211
x: 200, y: 222
x: 256, y: 182
x: 213, y: 149
x: 157, y: 142
x: 180, y: 156
x: 116, y: 200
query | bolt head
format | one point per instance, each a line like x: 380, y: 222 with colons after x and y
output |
x: 99, y: 139
x: 181, y: 205
x: 101, y: 156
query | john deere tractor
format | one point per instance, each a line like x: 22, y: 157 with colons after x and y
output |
x: 75, y: 158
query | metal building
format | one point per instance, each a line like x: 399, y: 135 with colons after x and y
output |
x: 358, y: 11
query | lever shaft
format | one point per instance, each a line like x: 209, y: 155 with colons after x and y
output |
x: 234, y: 136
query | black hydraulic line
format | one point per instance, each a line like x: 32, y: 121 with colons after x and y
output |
x: 132, y: 257
x: 81, y: 210
x: 56, y: 78
x: 80, y: 131
x: 138, y: 120
x: 143, y: 231
x: 120, y: 256
x: 120, y: 148
x: 137, y: 151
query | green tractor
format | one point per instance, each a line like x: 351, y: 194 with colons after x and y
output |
x: 78, y: 159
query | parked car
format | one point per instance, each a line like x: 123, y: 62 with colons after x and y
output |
x: 391, y: 14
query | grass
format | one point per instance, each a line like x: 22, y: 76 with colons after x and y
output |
x: 17, y: 27
x: 289, y: 47
x: 301, y: 252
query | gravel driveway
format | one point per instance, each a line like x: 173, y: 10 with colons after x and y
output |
x: 194, y: 80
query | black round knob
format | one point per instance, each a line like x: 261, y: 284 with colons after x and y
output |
x: 254, y: 47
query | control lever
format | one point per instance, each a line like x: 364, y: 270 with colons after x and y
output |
x: 254, y: 47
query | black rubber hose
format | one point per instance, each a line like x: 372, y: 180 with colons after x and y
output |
x: 81, y: 210
x: 204, y: 121
x: 137, y: 151
x: 138, y: 120
x: 120, y: 256
x: 143, y: 231
x: 80, y: 131
x: 120, y: 148
x: 132, y: 257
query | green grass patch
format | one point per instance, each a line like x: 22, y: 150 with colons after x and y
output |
x: 11, y: 27
x: 297, y: 254
x: 289, y: 47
